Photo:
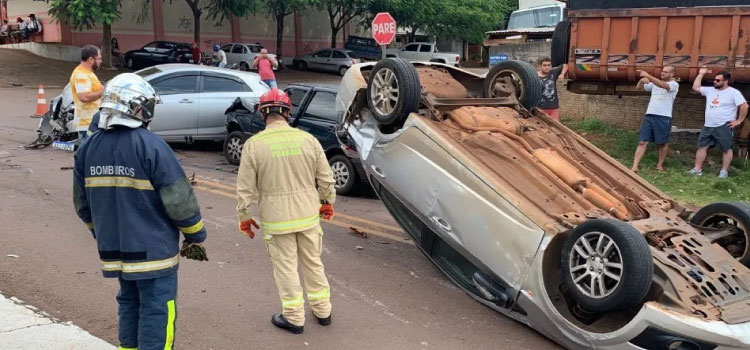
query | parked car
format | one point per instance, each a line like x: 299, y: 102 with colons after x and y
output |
x: 364, y: 48
x: 194, y: 99
x: 537, y: 223
x: 159, y: 52
x: 332, y: 60
x: 424, y: 52
x: 244, y: 54
x: 312, y: 111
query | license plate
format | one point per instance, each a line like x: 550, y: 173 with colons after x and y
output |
x: 65, y: 146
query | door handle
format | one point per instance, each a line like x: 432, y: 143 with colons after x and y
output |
x: 184, y: 100
x: 377, y: 171
x: 442, y: 223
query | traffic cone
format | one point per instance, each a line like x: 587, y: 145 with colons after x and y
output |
x: 41, y: 103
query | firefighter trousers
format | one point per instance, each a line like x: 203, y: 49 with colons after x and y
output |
x: 285, y: 250
x: 147, y: 313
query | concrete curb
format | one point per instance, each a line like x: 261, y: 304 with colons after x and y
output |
x: 24, y: 327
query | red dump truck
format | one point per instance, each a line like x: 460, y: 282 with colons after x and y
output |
x: 605, y: 42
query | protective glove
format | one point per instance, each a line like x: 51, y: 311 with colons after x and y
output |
x: 246, y: 227
x: 326, y: 211
x: 193, y: 251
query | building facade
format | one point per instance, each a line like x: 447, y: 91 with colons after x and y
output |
x: 173, y: 21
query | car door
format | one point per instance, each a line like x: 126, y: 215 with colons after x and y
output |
x: 176, y: 118
x: 143, y: 57
x: 318, y: 118
x: 217, y: 92
x: 163, y: 51
x: 425, y: 53
x: 236, y: 54
x: 409, y: 52
x: 319, y: 59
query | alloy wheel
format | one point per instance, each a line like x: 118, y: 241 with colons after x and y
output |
x: 596, y: 265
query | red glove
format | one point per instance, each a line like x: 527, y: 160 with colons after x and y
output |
x: 326, y: 211
x: 246, y: 227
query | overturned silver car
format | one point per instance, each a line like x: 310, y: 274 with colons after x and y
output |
x: 537, y: 223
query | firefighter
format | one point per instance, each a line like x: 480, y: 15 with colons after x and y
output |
x: 131, y: 192
x: 279, y: 170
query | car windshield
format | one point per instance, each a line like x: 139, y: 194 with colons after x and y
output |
x: 145, y: 73
x: 535, y: 18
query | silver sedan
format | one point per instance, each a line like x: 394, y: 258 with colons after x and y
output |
x: 332, y: 60
x: 194, y: 99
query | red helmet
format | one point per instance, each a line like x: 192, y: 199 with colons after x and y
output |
x: 276, y: 101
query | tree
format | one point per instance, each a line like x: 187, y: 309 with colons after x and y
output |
x: 87, y: 14
x: 341, y: 12
x: 279, y: 9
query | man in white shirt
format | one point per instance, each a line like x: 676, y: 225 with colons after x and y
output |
x: 657, y: 124
x: 722, y: 105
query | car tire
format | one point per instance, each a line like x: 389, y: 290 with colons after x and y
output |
x: 344, y: 174
x: 342, y: 70
x: 524, y: 78
x: 130, y: 63
x: 233, y: 146
x: 388, y: 76
x: 611, y: 254
x: 560, y: 43
x: 301, y: 65
x: 730, y: 213
x: 244, y: 67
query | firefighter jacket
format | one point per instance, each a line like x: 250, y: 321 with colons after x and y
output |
x: 279, y: 169
x: 131, y: 191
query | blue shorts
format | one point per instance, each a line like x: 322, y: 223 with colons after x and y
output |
x: 720, y: 136
x: 270, y: 82
x: 656, y: 129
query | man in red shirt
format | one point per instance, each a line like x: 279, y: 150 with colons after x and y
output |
x: 196, y: 53
x: 265, y: 65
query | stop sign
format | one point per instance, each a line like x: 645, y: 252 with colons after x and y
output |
x: 383, y: 28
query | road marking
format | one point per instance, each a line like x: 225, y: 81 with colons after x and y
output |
x: 365, y: 221
x: 334, y: 222
x: 215, y: 184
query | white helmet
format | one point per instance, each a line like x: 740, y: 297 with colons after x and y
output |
x: 127, y: 100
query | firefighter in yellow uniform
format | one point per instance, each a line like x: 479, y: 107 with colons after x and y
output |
x: 286, y: 172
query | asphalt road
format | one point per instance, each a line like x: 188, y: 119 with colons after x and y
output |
x: 385, y: 293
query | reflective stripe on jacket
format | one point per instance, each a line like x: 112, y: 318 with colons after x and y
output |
x: 131, y: 191
x: 279, y: 170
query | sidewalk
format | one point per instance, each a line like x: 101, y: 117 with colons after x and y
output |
x: 23, y: 327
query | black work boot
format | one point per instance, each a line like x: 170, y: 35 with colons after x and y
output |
x: 280, y: 321
x: 326, y: 321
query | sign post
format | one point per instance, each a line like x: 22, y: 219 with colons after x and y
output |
x: 383, y: 30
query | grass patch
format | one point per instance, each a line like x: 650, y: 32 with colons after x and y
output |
x: 674, y: 181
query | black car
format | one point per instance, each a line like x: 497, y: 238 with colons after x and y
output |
x: 312, y: 111
x: 159, y: 52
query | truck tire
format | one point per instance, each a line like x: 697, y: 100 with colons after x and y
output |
x: 393, y: 92
x: 736, y: 214
x: 607, y: 265
x: 560, y: 43
x: 524, y: 77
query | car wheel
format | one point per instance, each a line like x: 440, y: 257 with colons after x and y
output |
x: 560, y: 42
x: 607, y: 265
x: 130, y: 63
x: 233, y: 146
x: 344, y: 174
x: 301, y: 65
x: 523, y: 77
x: 722, y: 214
x: 393, y: 91
x: 244, y: 67
x: 343, y: 70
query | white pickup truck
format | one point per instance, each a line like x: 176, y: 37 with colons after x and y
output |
x: 424, y: 52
